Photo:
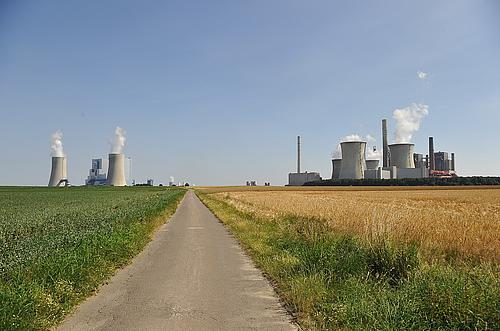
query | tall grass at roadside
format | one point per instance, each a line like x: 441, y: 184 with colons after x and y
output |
x: 335, y: 280
x: 59, y: 245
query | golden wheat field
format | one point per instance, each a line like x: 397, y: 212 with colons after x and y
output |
x: 460, y: 221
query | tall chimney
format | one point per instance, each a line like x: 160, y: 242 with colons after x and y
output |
x: 298, y: 154
x: 452, y: 161
x: 385, y: 145
x: 431, y: 153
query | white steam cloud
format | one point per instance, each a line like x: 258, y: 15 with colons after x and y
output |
x: 422, y: 75
x: 56, y: 146
x: 408, y: 121
x: 337, y: 153
x: 352, y: 137
x: 118, y: 142
x: 373, y: 153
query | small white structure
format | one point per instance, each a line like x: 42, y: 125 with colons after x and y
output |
x: 353, y: 159
x: 116, y: 170
x: 299, y: 179
x: 377, y: 174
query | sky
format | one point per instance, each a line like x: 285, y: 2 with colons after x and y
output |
x: 215, y: 92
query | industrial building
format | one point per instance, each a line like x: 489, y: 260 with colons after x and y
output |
x: 300, y: 178
x: 96, y: 176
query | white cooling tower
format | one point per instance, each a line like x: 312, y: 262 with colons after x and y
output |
x: 336, y: 164
x: 372, y: 164
x: 353, y: 159
x: 402, y: 155
x: 58, y: 172
x: 116, y: 170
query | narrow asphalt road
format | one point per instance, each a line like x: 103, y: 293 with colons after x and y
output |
x: 192, y: 276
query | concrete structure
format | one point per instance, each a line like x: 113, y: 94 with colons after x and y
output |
x: 372, y: 164
x: 378, y: 173
x: 385, y: 146
x: 442, y: 161
x: 452, y: 162
x: 431, y: 154
x: 412, y: 173
x: 353, y: 159
x: 96, y: 177
x: 298, y: 154
x: 402, y: 155
x: 336, y: 165
x: 299, y: 179
x: 419, y: 160
x: 116, y: 170
x: 58, y: 173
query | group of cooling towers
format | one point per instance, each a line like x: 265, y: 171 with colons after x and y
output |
x: 116, y: 171
x: 399, y: 161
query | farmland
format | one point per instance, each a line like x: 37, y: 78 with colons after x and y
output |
x: 376, y: 258
x: 58, y: 245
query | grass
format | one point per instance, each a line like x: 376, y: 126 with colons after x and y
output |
x: 344, y: 279
x: 59, y: 245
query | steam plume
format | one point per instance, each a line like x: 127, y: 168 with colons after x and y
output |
x: 337, y: 153
x: 56, y: 146
x: 373, y: 153
x: 422, y: 75
x: 408, y: 121
x: 352, y: 137
x: 118, y: 141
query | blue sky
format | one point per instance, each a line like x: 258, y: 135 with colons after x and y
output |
x: 215, y: 92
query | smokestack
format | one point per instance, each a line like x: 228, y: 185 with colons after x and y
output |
x: 452, y: 161
x: 431, y: 154
x: 385, y: 145
x: 58, y: 171
x: 402, y: 155
x: 298, y: 154
x: 353, y: 159
x: 116, y: 170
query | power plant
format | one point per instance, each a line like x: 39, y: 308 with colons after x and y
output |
x: 399, y: 160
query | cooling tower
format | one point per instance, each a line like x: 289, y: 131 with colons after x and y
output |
x: 353, y: 159
x: 402, y: 155
x: 116, y: 170
x: 372, y: 164
x: 58, y: 171
x: 336, y: 164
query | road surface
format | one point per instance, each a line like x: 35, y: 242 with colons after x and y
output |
x: 192, y: 276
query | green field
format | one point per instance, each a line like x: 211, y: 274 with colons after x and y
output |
x: 58, y: 245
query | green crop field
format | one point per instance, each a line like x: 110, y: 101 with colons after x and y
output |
x: 58, y: 245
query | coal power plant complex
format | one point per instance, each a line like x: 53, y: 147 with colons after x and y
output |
x: 116, y: 164
x: 354, y: 160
